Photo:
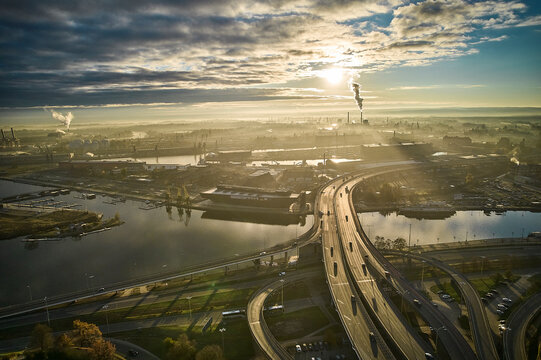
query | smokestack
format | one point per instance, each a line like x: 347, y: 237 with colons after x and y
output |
x: 3, y: 136
x: 348, y: 117
x: 13, y: 133
x: 357, y: 92
x: 64, y: 119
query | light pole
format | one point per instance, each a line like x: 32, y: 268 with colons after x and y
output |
x: 189, y: 305
x: 90, y: 277
x: 482, y: 263
x: 47, y: 310
x: 105, y: 307
x: 222, y: 330
x: 423, y: 275
x: 437, y: 335
x: 409, y: 239
x: 282, y: 281
x: 30, y: 291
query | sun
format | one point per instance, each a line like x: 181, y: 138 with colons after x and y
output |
x: 333, y: 75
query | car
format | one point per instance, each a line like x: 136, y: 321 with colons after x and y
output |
x: 434, y: 304
x: 489, y: 295
x: 494, y: 291
x: 321, y: 346
x: 445, y: 296
x: 353, y: 298
x: 501, y: 327
x: 502, y: 306
x: 440, y: 292
x: 429, y: 356
x: 328, y: 212
x: 101, y: 290
x: 502, y: 321
x: 310, y: 347
x: 507, y: 300
x: 416, y: 302
x: 133, y: 353
x: 484, y: 299
x: 282, y: 273
x: 372, y: 337
x: 298, y: 348
x: 262, y: 253
x: 499, y: 312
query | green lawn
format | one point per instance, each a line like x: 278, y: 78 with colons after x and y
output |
x: 237, y: 338
x: 446, y: 287
x: 296, y: 324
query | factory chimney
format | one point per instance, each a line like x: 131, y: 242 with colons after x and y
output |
x: 12, y: 133
x: 3, y: 136
x: 348, y: 117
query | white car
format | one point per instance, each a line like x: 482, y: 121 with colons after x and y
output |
x: 507, y: 300
x: 298, y: 348
x: 445, y: 296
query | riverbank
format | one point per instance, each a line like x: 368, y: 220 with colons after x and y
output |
x: 55, y: 224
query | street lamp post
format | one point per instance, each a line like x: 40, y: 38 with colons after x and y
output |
x: 47, y: 310
x: 423, y: 275
x: 222, y: 330
x: 282, y: 281
x: 30, y: 291
x: 190, y: 305
x: 482, y: 263
x: 437, y: 335
x: 105, y: 307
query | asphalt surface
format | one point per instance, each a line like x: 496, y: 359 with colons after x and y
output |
x: 514, y: 338
x: 479, y: 323
x: 453, y: 341
x: 353, y: 314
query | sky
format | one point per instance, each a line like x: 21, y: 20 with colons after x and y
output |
x: 166, y: 59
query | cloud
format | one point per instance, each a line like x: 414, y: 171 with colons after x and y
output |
x: 133, y: 51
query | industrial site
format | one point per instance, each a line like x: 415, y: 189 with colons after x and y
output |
x: 284, y: 180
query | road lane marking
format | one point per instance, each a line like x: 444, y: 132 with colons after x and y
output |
x: 340, y: 301
x: 345, y: 316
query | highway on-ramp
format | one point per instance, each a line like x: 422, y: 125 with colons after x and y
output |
x: 514, y: 338
x: 482, y: 333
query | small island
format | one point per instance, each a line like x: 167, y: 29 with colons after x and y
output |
x: 55, y: 224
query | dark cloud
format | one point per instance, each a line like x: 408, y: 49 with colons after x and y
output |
x: 69, y: 52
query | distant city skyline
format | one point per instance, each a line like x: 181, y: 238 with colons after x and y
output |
x: 260, y: 59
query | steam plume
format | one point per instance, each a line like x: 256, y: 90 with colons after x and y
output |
x: 64, y: 119
x: 357, y: 91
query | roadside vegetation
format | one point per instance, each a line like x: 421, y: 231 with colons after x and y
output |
x: 61, y: 223
x: 83, y: 342
x: 296, y: 324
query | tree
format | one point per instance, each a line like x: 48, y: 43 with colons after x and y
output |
x: 85, y: 333
x: 62, y: 341
x: 497, y: 277
x: 379, y: 242
x: 42, y: 337
x: 210, y: 352
x: 102, y: 350
x: 399, y: 243
x: 181, y: 349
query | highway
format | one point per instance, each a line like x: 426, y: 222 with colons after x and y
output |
x: 479, y: 323
x: 350, y: 230
x: 514, y: 339
x: 353, y: 315
x: 258, y: 327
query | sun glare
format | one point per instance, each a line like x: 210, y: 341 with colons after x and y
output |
x: 334, y: 75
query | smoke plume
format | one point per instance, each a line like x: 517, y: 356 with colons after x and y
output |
x: 357, y: 91
x: 64, y: 119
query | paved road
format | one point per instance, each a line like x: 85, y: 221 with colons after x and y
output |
x: 354, y: 317
x: 402, y: 338
x: 453, y: 341
x: 482, y: 333
x: 514, y: 339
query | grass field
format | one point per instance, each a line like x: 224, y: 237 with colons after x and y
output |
x: 296, y: 324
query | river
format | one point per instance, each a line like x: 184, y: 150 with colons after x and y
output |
x: 470, y: 225
x: 148, y: 242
